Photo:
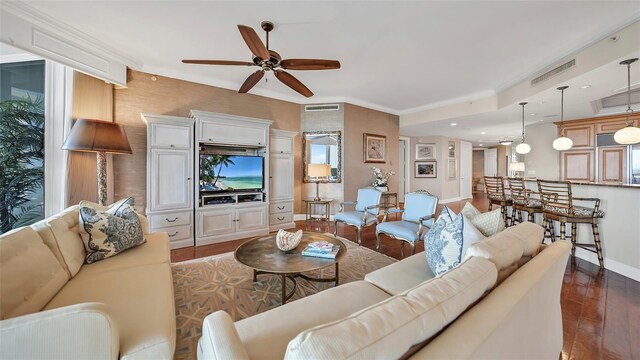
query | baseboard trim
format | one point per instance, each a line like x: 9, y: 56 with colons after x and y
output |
x: 303, y: 217
x: 615, y: 266
x: 446, y: 201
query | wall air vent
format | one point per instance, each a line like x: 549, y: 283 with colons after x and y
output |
x: 554, y: 72
x: 322, y: 107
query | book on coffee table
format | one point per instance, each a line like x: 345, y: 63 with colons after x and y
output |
x: 327, y: 253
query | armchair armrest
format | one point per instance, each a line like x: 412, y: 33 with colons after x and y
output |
x: 342, y: 204
x: 421, y: 219
x: 595, y: 200
x: 81, y: 331
x: 144, y: 222
x: 220, y: 340
x: 395, y: 211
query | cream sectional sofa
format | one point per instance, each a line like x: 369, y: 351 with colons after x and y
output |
x: 502, y: 302
x: 54, y: 306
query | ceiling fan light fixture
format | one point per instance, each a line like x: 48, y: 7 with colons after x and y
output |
x: 562, y: 143
x: 630, y: 134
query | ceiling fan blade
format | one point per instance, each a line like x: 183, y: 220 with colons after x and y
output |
x: 310, y: 64
x: 253, y: 42
x: 251, y: 81
x: 218, y: 62
x: 293, y: 83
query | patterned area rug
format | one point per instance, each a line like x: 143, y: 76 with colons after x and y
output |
x: 219, y: 282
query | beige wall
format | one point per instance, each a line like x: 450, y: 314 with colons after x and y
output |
x: 92, y: 99
x: 357, y: 173
x: 440, y: 186
x: 167, y: 96
x: 543, y: 161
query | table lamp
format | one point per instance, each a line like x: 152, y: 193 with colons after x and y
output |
x: 318, y: 171
x: 517, y: 167
x: 101, y: 137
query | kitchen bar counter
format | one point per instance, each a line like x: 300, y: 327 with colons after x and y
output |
x: 632, y: 186
x: 619, y: 228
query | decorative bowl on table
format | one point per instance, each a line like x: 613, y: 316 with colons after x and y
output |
x: 287, y: 240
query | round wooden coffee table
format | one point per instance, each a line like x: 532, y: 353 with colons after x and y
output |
x: 263, y: 256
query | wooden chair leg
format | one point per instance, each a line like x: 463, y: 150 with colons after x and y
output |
x: 335, y: 228
x: 531, y: 217
x: 552, y: 230
x: 412, y: 246
x: 563, y: 231
x: 401, y: 248
x: 596, y: 241
x: 358, y: 234
x: 377, y: 241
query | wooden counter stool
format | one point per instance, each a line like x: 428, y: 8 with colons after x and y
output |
x: 523, y: 200
x: 497, y: 196
x: 557, y: 205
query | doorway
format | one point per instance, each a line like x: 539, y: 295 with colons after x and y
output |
x: 403, y: 172
x: 491, y: 162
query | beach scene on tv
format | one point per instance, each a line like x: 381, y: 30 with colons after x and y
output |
x: 230, y: 172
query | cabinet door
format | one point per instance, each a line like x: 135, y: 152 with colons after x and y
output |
x: 281, y: 173
x: 577, y: 165
x: 251, y: 218
x: 235, y: 134
x: 170, y: 136
x: 216, y: 222
x: 281, y: 145
x: 611, y: 164
x: 582, y: 136
x: 171, y: 179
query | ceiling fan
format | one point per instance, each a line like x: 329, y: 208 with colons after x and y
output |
x: 269, y: 60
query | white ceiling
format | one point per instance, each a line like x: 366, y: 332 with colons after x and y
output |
x: 395, y: 55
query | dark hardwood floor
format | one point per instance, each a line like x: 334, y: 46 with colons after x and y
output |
x: 600, y: 309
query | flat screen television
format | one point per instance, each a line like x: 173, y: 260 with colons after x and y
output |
x: 231, y: 172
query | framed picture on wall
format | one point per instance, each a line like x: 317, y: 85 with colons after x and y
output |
x: 426, y: 169
x: 375, y: 147
x: 452, y: 149
x: 425, y: 151
x: 451, y: 169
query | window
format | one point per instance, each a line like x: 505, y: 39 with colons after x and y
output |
x: 22, y: 133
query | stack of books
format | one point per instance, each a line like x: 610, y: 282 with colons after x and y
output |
x: 321, y: 249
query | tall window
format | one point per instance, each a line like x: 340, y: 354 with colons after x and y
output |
x: 22, y: 87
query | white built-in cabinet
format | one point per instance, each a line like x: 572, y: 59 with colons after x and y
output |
x: 224, y: 222
x: 281, y: 179
x: 170, y: 177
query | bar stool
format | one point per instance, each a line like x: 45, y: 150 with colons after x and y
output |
x: 557, y: 204
x: 523, y: 200
x: 496, y: 195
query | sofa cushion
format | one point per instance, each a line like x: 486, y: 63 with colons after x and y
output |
x: 111, y: 231
x: 30, y: 275
x: 141, y: 302
x: 266, y: 335
x: 61, y: 231
x: 530, y: 236
x: 389, y: 328
x: 402, y: 275
x: 447, y: 241
x: 502, y: 249
x: 154, y: 251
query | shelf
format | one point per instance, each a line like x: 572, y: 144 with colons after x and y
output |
x: 231, y: 198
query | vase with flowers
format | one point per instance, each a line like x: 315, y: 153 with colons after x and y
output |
x: 380, y: 179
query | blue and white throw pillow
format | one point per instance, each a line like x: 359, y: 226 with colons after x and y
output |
x: 448, y: 240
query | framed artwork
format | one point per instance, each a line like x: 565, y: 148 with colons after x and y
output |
x: 426, y: 169
x: 451, y: 169
x: 452, y: 149
x: 375, y: 147
x: 425, y: 151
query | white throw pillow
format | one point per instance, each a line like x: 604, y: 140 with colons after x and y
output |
x: 489, y: 223
x: 447, y: 241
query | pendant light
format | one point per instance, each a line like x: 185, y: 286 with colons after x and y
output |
x: 562, y: 143
x: 523, y: 147
x: 629, y: 134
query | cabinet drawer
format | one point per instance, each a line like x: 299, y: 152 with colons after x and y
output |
x: 171, y: 136
x: 159, y: 221
x: 179, y: 232
x: 280, y: 207
x: 282, y: 218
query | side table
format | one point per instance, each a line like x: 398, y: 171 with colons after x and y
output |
x: 312, y: 206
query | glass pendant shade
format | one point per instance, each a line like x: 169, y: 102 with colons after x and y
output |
x: 523, y: 148
x: 562, y: 143
x: 627, y: 135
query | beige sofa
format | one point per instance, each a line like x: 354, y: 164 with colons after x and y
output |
x: 502, y: 302
x: 55, y: 306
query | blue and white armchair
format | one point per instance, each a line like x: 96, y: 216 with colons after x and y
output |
x: 419, y: 213
x: 366, y: 211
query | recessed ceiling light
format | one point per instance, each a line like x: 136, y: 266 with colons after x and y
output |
x: 483, y: 132
x: 585, y: 86
x: 481, y: 144
x: 506, y: 142
x: 453, y: 124
x: 541, y: 120
x: 533, y: 114
x: 541, y: 102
